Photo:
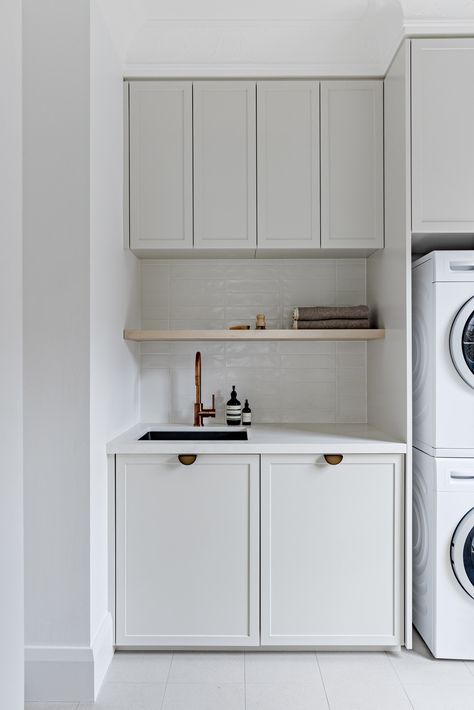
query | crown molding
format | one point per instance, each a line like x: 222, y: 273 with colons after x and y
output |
x: 198, y: 48
x: 438, y: 27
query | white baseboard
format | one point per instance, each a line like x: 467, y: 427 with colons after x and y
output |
x: 69, y: 673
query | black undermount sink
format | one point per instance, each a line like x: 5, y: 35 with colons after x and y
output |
x: 195, y: 435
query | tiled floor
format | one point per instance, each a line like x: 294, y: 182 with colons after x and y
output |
x: 410, y: 680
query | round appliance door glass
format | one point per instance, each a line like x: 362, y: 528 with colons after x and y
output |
x: 462, y: 553
x: 461, y: 342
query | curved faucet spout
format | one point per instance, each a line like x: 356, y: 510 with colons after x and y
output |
x: 199, y: 411
x: 197, y: 377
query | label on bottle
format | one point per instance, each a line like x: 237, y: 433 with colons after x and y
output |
x: 233, y: 413
x: 246, y: 417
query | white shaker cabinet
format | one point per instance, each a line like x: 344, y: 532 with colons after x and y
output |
x: 187, y: 551
x: 160, y: 135
x: 331, y: 550
x: 352, y: 164
x: 288, y: 164
x: 224, y: 165
x: 443, y: 135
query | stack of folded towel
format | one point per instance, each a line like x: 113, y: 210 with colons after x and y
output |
x: 318, y: 317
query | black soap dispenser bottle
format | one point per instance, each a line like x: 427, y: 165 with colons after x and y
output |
x: 233, y: 410
x: 246, y: 414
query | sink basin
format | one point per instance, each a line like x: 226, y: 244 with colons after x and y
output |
x: 195, y: 435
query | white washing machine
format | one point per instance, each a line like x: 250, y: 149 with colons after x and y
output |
x: 443, y: 554
x: 443, y: 353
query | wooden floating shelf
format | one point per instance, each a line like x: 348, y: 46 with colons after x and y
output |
x: 142, y: 336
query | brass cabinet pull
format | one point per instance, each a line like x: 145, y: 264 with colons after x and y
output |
x: 187, y: 459
x: 333, y: 459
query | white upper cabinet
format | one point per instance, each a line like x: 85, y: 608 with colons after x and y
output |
x: 352, y: 164
x: 224, y: 165
x: 197, y: 150
x: 161, y: 165
x: 443, y: 135
x: 288, y: 164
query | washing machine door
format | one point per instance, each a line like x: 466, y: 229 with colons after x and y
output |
x: 461, y: 342
x: 462, y: 553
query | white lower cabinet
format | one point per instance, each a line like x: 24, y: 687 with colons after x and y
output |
x: 331, y: 550
x: 198, y: 564
x: 187, y: 551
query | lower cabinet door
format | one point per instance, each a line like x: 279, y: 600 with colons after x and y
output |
x: 187, y: 551
x: 331, y: 550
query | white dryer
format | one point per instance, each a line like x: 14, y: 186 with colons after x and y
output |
x: 443, y: 353
x: 443, y: 554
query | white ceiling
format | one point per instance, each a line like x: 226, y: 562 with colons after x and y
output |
x: 273, y: 37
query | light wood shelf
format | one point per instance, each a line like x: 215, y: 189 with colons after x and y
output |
x: 142, y: 336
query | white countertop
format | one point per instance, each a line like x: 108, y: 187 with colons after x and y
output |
x: 265, y: 439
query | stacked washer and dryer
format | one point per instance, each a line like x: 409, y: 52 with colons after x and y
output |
x: 443, y: 457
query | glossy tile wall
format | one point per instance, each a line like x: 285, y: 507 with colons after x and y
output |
x: 293, y: 382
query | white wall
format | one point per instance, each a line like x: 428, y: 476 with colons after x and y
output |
x: 56, y: 327
x: 81, y: 381
x: 11, y: 504
x: 292, y: 382
x: 114, y: 298
x: 56, y: 56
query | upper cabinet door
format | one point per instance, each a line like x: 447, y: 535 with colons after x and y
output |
x: 442, y: 135
x: 161, y: 165
x: 352, y: 164
x: 224, y: 165
x: 288, y: 164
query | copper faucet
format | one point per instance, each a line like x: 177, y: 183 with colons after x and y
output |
x: 199, y: 411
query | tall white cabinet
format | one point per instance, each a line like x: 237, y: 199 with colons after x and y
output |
x: 288, y: 164
x: 160, y: 164
x: 224, y: 164
x: 331, y: 540
x: 352, y: 164
x: 187, y: 551
x: 442, y: 135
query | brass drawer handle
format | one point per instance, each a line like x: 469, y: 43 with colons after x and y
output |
x: 333, y: 459
x: 187, y: 459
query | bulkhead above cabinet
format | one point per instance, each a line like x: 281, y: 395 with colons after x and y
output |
x: 254, y: 168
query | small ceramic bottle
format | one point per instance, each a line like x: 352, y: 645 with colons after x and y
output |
x: 260, y: 323
x: 246, y: 414
x: 233, y: 410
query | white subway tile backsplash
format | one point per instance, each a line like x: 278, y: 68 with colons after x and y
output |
x: 152, y: 324
x: 318, y: 362
x: 284, y: 381
x: 308, y: 374
x: 350, y: 298
x: 155, y: 395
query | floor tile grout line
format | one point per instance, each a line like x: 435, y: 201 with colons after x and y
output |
x: 245, y: 681
x: 402, y: 685
x: 468, y: 667
x: 166, y: 681
x: 322, y: 680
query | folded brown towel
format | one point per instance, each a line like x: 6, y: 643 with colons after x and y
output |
x: 334, y: 323
x: 330, y: 312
